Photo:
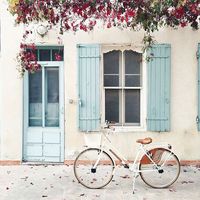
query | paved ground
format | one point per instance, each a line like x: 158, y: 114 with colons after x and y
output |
x: 57, y: 182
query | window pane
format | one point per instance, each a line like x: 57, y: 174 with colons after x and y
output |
x: 111, y: 80
x: 112, y: 105
x: 111, y: 68
x: 132, y: 106
x: 111, y: 62
x: 35, y: 99
x: 132, y: 81
x: 44, y: 55
x: 52, y: 97
x: 132, y: 69
x: 59, y: 52
x: 132, y: 62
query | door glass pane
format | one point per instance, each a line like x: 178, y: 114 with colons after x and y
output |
x: 35, y: 52
x: 132, y: 68
x: 52, y: 97
x: 59, y: 52
x: 111, y: 68
x: 132, y: 106
x: 35, y: 99
x: 44, y: 54
x: 112, y: 105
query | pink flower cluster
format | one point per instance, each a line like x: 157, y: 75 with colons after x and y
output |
x: 28, y: 58
x: 83, y: 14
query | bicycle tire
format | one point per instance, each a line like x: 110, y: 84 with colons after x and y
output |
x: 167, y: 174
x: 86, y: 175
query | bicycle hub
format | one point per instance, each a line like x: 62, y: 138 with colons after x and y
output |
x: 93, y: 170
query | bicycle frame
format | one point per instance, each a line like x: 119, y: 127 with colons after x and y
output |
x: 150, y: 158
x: 106, y: 145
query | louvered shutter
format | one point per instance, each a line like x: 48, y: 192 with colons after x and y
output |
x: 159, y: 83
x: 89, y: 87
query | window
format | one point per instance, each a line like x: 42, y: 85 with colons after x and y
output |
x: 50, y: 94
x: 122, y: 86
x: 125, y: 98
x: 44, y: 89
x: 49, y: 53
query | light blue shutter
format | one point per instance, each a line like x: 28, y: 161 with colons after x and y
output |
x: 89, y: 87
x: 159, y: 78
x: 198, y: 117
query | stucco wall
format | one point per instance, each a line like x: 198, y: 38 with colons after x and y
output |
x: 11, y: 90
x: 0, y: 79
x: 183, y: 136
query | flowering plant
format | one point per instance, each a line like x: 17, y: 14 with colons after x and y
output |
x: 27, y: 58
x: 82, y: 14
x: 76, y: 15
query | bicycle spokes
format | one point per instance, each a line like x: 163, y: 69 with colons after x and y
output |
x: 162, y: 172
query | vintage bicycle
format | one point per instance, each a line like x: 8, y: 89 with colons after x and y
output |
x: 156, y: 164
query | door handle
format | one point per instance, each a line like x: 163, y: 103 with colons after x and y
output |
x: 80, y: 102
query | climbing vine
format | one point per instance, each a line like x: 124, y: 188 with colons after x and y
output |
x: 75, y: 15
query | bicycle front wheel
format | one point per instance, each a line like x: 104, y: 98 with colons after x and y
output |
x: 161, y: 173
x: 93, y: 168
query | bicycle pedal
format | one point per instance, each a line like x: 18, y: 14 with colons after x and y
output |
x: 126, y: 166
x: 135, y: 175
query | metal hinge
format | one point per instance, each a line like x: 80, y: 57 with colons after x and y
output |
x: 197, y: 54
x: 197, y: 119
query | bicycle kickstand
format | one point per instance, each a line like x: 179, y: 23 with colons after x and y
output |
x: 135, y: 175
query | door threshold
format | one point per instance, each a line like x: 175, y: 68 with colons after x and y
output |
x: 41, y: 163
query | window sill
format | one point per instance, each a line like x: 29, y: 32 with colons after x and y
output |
x: 125, y: 129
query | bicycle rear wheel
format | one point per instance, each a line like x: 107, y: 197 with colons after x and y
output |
x: 90, y: 176
x: 164, y: 172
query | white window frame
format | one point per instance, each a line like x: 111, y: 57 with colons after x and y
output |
x: 143, y: 108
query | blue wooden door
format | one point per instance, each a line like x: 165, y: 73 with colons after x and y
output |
x: 44, y: 114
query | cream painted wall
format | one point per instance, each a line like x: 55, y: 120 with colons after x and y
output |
x: 0, y: 108
x: 11, y: 90
x: 183, y: 136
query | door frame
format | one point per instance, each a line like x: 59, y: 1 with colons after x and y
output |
x: 60, y: 65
